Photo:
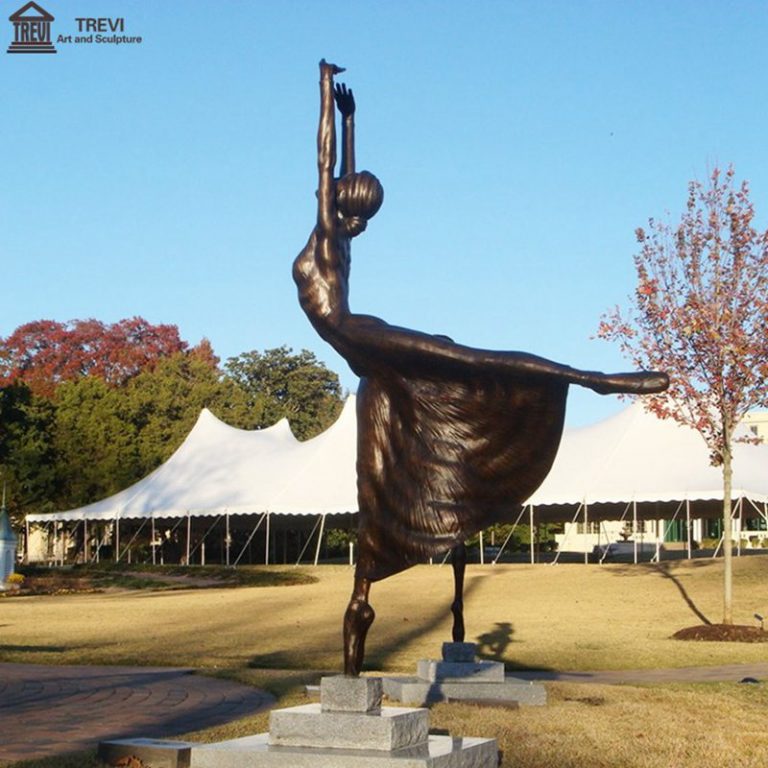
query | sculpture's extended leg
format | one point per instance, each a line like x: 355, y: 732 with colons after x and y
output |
x: 357, y: 621
x: 459, y: 563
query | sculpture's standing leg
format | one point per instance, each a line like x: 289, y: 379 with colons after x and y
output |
x: 459, y: 563
x: 357, y: 621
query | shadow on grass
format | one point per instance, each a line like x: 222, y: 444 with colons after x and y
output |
x: 35, y: 648
x: 495, y: 641
x: 663, y: 569
x: 275, y: 660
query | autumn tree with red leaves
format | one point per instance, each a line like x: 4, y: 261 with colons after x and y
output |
x: 45, y: 353
x: 700, y: 312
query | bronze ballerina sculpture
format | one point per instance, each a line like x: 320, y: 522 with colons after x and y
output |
x: 450, y: 439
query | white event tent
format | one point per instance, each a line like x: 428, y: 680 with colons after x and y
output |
x: 222, y: 471
x: 635, y: 466
x: 630, y: 465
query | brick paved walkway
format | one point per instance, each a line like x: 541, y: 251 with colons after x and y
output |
x: 47, y: 710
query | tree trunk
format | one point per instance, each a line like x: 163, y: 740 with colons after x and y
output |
x: 727, y: 536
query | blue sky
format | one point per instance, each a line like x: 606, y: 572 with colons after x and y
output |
x: 519, y: 144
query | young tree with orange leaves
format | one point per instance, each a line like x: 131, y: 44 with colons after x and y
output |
x: 700, y: 312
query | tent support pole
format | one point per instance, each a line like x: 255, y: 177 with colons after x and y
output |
x: 152, y: 543
x: 227, y: 540
x: 309, y: 539
x: 85, y: 541
x: 607, y: 541
x: 266, y: 542
x: 133, y: 538
x: 634, y: 531
x: 567, y: 534
x: 253, y: 533
x: 201, y: 545
x: 189, y: 537
x: 509, y: 536
x: 319, y: 538
x: 117, y: 538
x: 688, y: 527
x: 666, y: 531
x: 530, y: 525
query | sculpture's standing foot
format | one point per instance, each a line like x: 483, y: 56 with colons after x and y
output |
x: 357, y: 621
x: 459, y: 563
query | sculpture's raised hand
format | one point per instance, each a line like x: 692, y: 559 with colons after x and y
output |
x: 345, y: 101
x: 329, y: 69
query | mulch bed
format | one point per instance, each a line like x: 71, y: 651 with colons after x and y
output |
x: 723, y: 633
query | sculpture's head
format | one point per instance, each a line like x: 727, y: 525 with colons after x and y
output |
x: 358, y: 197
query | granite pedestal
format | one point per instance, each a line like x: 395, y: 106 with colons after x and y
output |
x: 459, y: 676
x: 348, y: 729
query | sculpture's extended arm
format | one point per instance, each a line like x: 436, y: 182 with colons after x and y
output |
x: 345, y: 101
x: 326, y: 152
x: 422, y: 354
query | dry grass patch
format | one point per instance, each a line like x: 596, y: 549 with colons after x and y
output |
x: 596, y: 726
x: 588, y: 726
x: 568, y: 617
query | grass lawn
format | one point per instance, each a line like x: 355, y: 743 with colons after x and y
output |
x: 568, y: 617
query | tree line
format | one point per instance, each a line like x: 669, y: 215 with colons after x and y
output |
x: 88, y: 408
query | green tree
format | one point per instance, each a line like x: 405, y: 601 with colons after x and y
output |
x: 280, y: 384
x: 95, y: 442
x: 164, y: 404
x: 27, y: 456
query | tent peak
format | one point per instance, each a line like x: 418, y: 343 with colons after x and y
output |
x: 210, y: 419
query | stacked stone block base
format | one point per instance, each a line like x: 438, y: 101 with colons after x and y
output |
x: 459, y: 676
x: 348, y: 729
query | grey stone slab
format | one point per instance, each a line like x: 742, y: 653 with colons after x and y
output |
x: 308, y: 726
x: 413, y: 690
x: 459, y: 651
x: 436, y: 671
x: 437, y: 752
x: 350, y: 694
x: 152, y: 752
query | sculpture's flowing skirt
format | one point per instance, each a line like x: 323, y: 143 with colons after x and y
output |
x: 440, y: 460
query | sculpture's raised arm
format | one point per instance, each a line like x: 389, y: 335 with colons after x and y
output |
x: 345, y: 101
x: 326, y: 151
